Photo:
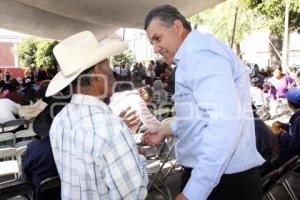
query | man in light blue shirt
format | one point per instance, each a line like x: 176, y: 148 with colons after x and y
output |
x: 214, y: 121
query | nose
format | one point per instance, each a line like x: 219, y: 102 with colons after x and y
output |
x: 156, y: 48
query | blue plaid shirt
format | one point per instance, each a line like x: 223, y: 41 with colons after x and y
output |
x: 95, y: 154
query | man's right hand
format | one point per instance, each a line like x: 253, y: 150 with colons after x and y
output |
x: 155, y: 137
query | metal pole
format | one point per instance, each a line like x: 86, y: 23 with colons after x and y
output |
x: 234, y: 26
x: 123, y: 38
x: 285, y: 45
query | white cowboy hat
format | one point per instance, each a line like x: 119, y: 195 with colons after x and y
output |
x: 78, y: 53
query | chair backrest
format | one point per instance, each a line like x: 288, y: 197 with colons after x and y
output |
x: 8, y: 154
x: 291, y: 182
x: 25, y: 134
x: 7, y: 140
x: 288, y: 165
x: 278, y: 191
x: 15, y: 189
x: 19, y: 153
x: 48, y: 184
x: 16, y: 122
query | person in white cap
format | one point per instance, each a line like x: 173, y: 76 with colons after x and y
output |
x: 95, y: 154
x: 289, y: 134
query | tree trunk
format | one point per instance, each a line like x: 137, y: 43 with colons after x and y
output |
x: 238, y: 50
x: 275, y: 47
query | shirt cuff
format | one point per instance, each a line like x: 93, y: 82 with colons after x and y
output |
x: 173, y: 126
x: 194, y: 190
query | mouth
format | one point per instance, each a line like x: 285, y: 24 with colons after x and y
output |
x: 164, y: 53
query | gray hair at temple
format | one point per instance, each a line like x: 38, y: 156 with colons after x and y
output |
x: 167, y: 15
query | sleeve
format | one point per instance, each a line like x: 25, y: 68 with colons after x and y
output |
x: 211, y: 81
x: 27, y: 163
x: 290, y: 81
x: 15, y: 107
x: 125, y: 169
x: 146, y: 117
x: 173, y: 126
x: 294, y: 137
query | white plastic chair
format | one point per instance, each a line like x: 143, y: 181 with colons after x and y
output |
x: 19, y: 153
x: 26, y: 135
x: 7, y: 140
x: 8, y: 164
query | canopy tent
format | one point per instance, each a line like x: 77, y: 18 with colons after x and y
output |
x: 58, y: 19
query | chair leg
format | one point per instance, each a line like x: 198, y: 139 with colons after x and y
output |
x: 289, y: 190
x: 172, y: 168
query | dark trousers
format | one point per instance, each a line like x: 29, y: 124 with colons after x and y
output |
x: 244, y: 185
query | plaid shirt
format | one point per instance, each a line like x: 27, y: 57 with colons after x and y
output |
x: 95, y: 154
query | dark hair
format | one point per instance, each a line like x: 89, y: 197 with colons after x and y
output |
x: 278, y: 67
x: 84, y: 78
x: 10, y: 87
x: 149, y: 91
x: 298, y: 75
x: 296, y: 106
x: 124, y: 86
x: 167, y: 15
x: 2, y: 83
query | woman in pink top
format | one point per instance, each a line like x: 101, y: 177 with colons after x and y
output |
x: 136, y: 99
x: 280, y: 84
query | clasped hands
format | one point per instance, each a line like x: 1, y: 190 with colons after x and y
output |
x: 151, y: 137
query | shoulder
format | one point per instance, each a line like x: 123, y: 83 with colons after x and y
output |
x: 33, y: 146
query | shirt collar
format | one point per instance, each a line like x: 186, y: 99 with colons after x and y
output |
x: 181, y: 50
x: 88, y: 100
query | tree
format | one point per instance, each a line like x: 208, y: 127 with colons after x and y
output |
x: 26, y: 51
x: 220, y: 21
x: 124, y: 58
x: 272, y: 12
x: 44, y: 53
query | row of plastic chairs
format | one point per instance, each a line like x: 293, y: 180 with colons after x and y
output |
x: 283, y: 183
x: 27, y: 190
x: 12, y: 140
x: 13, y: 124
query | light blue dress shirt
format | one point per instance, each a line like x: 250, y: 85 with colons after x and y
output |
x: 214, y: 120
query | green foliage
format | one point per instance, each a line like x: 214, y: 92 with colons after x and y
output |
x: 273, y: 13
x: 34, y: 53
x: 26, y: 51
x: 221, y: 20
x: 125, y: 58
x: 44, y: 53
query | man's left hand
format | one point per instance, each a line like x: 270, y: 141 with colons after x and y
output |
x: 181, y: 197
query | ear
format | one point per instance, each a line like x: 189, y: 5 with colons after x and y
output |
x: 178, y: 27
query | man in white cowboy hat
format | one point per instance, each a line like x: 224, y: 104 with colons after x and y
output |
x: 95, y: 154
